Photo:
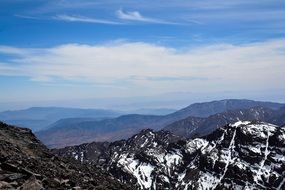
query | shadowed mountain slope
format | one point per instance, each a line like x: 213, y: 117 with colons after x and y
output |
x: 194, y: 126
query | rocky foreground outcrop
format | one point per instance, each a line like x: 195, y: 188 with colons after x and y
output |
x: 26, y: 164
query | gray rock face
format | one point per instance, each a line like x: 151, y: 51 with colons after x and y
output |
x: 26, y: 164
x: 242, y: 155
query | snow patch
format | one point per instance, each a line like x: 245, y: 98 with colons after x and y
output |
x: 238, y: 123
x: 195, y: 144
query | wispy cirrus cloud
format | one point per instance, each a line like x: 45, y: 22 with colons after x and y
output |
x: 73, y: 18
x: 26, y: 16
x: 137, y: 16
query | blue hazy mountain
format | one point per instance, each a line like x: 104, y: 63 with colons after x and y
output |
x: 67, y: 133
x: 37, y: 118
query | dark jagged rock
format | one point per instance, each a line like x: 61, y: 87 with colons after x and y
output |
x: 244, y: 155
x: 25, y: 163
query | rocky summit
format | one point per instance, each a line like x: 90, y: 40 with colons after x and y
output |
x: 26, y: 164
x: 243, y: 155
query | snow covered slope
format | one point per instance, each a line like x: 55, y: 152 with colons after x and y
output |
x: 243, y: 155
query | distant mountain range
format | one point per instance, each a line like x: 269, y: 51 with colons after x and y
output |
x: 66, y: 132
x: 243, y: 155
x: 38, y: 118
x: 206, y: 109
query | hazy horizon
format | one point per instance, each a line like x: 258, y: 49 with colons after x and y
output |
x: 122, y: 104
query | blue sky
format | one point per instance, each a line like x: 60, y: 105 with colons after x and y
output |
x: 27, y: 23
x: 76, y: 49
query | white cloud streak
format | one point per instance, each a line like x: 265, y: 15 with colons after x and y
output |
x: 69, y: 18
x: 136, y: 16
x: 26, y: 17
x: 255, y: 66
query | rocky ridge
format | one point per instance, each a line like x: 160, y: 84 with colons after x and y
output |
x: 26, y: 164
